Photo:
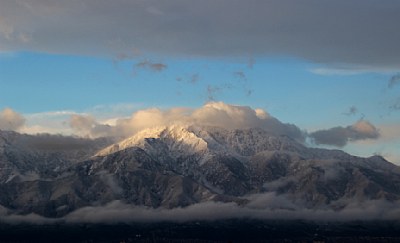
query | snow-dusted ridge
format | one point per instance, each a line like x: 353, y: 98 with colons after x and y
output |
x: 177, y: 137
x: 187, y: 139
x: 182, y: 165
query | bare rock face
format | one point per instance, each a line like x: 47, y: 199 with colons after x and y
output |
x: 178, y: 166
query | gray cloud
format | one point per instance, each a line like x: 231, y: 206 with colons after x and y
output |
x: 156, y: 67
x: 394, y: 81
x: 11, y: 120
x: 355, y: 32
x: 340, y: 136
x: 261, y: 206
x: 53, y: 142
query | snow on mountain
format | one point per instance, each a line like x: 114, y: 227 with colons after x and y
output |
x: 181, y: 165
x: 191, y: 139
x: 24, y: 157
x: 237, y: 162
x: 176, y: 137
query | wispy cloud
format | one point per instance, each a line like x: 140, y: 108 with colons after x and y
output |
x: 107, y: 111
x: 152, y: 66
x: 353, y: 110
x: 394, y: 81
x: 350, y: 69
x: 243, y: 82
x: 191, y: 79
x: 240, y: 74
x: 87, y: 126
x: 396, y: 105
x: 53, y: 122
x: 213, y: 90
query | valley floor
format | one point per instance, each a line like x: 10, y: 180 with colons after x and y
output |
x: 201, y: 231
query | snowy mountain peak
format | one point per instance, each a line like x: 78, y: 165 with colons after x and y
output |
x: 189, y: 139
x: 176, y: 137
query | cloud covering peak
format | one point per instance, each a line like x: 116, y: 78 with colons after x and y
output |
x: 217, y: 114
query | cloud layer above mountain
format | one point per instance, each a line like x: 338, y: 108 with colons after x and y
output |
x: 217, y: 114
x: 221, y: 115
x: 212, y: 114
x: 334, y: 32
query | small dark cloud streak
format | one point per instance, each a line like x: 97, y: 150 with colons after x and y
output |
x: 191, y: 79
x: 353, y: 110
x: 155, y: 67
x: 213, y: 90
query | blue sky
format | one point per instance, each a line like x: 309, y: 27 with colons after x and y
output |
x: 293, y: 61
x: 287, y: 88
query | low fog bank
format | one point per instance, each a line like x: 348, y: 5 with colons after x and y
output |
x: 260, y: 206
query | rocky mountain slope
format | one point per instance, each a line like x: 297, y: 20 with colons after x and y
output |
x: 178, y: 166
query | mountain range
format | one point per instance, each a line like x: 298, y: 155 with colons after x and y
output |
x: 179, y: 166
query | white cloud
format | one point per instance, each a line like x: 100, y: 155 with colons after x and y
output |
x: 351, y: 69
x: 87, y: 126
x: 11, y: 120
x: 58, y: 122
x: 111, y: 111
x: 53, y: 122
